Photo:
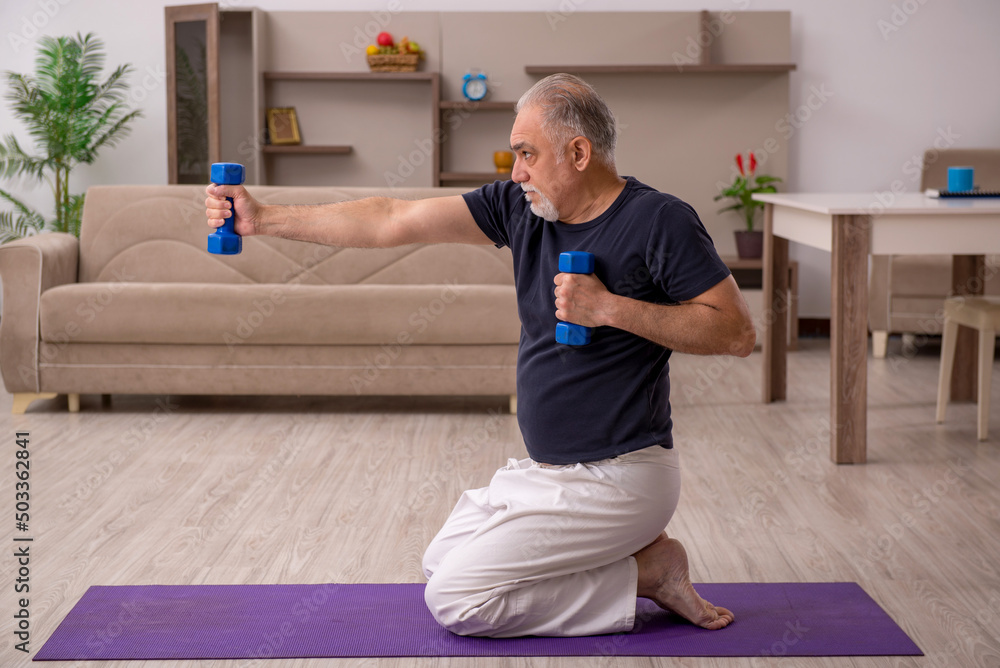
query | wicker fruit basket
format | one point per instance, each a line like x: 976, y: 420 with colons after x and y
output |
x: 393, y: 62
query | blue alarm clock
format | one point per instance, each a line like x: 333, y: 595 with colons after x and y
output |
x: 474, y: 88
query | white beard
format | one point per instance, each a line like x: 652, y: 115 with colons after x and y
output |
x: 543, y: 208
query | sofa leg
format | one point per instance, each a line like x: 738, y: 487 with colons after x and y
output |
x: 74, y: 402
x: 513, y: 404
x: 105, y: 401
x: 24, y: 399
x: 880, y: 344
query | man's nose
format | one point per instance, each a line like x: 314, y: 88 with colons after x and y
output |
x: 518, y: 173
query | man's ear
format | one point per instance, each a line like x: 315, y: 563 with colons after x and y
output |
x: 580, y: 152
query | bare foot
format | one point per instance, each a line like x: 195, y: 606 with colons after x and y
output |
x: 664, y: 578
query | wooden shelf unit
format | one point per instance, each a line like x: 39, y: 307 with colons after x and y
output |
x: 432, y: 78
x: 469, y: 107
x: 703, y: 66
x: 351, y: 76
x: 482, y: 105
x: 694, y: 68
x: 442, y: 107
x: 304, y: 149
x: 462, y: 131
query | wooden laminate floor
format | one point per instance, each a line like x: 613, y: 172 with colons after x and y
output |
x: 188, y: 490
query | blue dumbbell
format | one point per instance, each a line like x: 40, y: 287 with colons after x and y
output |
x: 574, y: 262
x: 225, y: 241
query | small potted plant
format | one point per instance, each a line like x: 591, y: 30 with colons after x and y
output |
x: 747, y: 183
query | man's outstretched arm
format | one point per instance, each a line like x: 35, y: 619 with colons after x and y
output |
x: 375, y: 222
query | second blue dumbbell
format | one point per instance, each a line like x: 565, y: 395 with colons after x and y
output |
x: 225, y: 240
x: 574, y: 262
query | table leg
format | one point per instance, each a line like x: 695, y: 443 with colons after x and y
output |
x: 775, y: 288
x: 967, y: 273
x: 849, y: 340
x: 793, y: 305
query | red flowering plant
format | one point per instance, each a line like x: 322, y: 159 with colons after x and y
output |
x: 746, y: 184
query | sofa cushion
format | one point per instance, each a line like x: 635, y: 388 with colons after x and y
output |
x: 921, y: 275
x: 144, y: 234
x: 275, y: 314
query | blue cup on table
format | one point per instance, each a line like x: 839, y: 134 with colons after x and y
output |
x: 960, y: 179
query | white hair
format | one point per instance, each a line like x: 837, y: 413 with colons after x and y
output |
x: 572, y: 108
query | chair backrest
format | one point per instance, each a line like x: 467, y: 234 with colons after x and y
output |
x: 986, y: 162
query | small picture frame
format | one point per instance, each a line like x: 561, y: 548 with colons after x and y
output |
x: 283, y: 126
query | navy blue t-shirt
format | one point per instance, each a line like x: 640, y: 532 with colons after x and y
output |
x: 612, y: 396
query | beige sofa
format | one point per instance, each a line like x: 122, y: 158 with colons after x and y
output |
x: 138, y: 306
x: 906, y: 292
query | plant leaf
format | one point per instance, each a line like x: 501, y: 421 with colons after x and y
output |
x: 14, y: 162
x: 70, y: 114
x: 23, y: 209
x: 27, y: 223
x: 12, y: 228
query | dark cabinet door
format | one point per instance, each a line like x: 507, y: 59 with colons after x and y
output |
x: 192, y: 91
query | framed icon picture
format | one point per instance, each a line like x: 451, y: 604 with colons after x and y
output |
x: 283, y: 126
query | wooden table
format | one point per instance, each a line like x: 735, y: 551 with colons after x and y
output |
x: 852, y: 226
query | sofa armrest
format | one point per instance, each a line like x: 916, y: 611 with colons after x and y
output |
x: 29, y: 267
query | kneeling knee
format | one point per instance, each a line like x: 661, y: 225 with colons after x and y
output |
x: 462, y: 613
x: 444, y: 606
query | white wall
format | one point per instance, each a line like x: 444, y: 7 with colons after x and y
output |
x: 876, y: 84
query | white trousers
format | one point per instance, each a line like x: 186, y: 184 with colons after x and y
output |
x: 546, y: 550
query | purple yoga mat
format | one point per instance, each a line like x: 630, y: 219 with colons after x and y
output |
x: 387, y: 620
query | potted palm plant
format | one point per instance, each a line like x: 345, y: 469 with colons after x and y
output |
x: 747, y: 183
x: 71, y: 114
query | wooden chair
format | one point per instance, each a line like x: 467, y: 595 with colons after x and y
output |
x: 905, y: 291
x: 982, y: 314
